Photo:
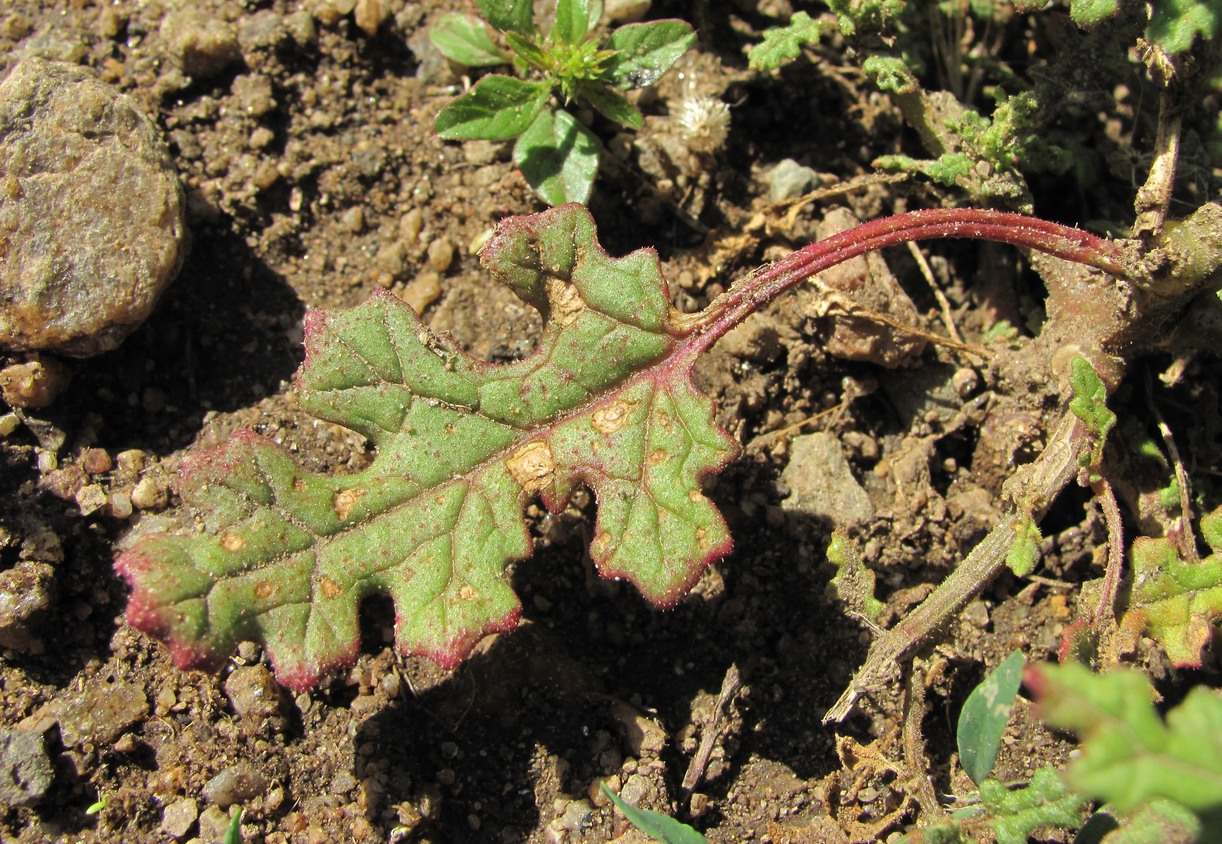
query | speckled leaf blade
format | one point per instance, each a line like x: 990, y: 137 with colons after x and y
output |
x: 285, y: 556
x: 984, y: 716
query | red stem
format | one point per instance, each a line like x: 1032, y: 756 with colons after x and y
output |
x: 749, y: 294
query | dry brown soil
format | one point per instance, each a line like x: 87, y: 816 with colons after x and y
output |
x: 313, y: 178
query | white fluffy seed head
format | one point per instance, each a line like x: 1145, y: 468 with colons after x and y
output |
x: 703, y: 123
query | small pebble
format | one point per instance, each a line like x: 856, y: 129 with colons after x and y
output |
x: 33, y: 383
x: 441, y: 254
x: 253, y: 693
x: 25, y: 596
x: 148, y: 494
x: 26, y: 773
x: 203, y: 45
x: 179, y: 816
x: 235, y: 784
x: 100, y: 712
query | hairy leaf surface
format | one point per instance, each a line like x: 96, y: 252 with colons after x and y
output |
x: 285, y: 556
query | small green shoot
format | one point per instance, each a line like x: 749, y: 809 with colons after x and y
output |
x: 555, y: 151
x: 783, y: 44
x: 96, y: 807
x: 233, y: 832
x: 1130, y: 756
x: 1013, y: 814
x: 1089, y: 403
x: 853, y: 583
x: 1025, y: 549
x: 1016, y: 813
x: 656, y: 825
x: 984, y: 716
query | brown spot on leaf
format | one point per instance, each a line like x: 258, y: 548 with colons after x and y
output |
x: 264, y: 589
x: 600, y: 545
x: 657, y: 457
x: 232, y: 542
x: 609, y: 419
x: 467, y: 593
x: 566, y: 303
x: 702, y: 539
x: 695, y: 496
x: 345, y: 500
x: 663, y: 418
x: 299, y: 484
x: 330, y: 588
x: 532, y: 466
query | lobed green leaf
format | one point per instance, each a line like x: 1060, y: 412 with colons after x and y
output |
x: 1176, y: 601
x: 783, y: 44
x: 1130, y: 756
x: 285, y: 556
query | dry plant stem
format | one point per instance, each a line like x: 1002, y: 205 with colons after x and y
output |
x: 943, y: 303
x: 1185, y: 543
x: 1154, y: 197
x: 1106, y: 611
x: 1038, y: 482
x: 712, y: 730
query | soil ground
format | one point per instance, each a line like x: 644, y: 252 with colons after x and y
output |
x: 313, y: 178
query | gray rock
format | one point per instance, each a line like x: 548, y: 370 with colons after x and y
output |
x: 100, y: 712
x: 821, y: 482
x: 236, y: 784
x: 178, y: 817
x: 25, y: 595
x: 25, y: 771
x: 201, y: 44
x: 91, y: 212
x: 789, y: 180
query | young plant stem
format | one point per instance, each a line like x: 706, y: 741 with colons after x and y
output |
x: 751, y: 293
x: 1039, y: 481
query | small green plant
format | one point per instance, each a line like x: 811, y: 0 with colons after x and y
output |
x: 1175, y: 600
x: 286, y: 556
x: 1089, y: 403
x: 1146, y: 767
x: 1154, y: 778
x: 984, y: 716
x: 567, y: 65
x: 656, y: 825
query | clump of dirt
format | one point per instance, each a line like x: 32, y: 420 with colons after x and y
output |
x: 302, y: 134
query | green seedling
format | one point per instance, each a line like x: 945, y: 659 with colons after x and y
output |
x: 1024, y: 551
x: 1174, y: 600
x: 283, y: 556
x: 233, y: 832
x: 853, y: 583
x: 656, y: 825
x: 1173, y: 24
x: 567, y: 65
x: 1131, y: 757
x: 1089, y: 403
x: 984, y: 716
